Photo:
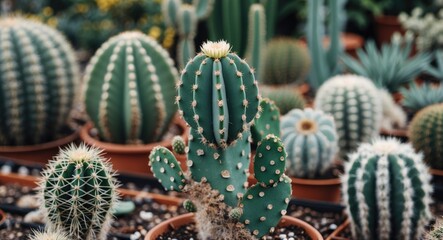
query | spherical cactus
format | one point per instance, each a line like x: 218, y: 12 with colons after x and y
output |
x: 311, y: 141
x: 218, y: 94
x: 285, y: 98
x: 386, y: 187
x: 38, y: 81
x: 49, y: 235
x: 129, y: 89
x: 178, y: 145
x: 425, y: 134
x: 78, y: 193
x: 285, y: 61
x: 354, y: 103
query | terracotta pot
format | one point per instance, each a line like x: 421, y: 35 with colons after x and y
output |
x: 184, y: 219
x: 385, y: 27
x: 2, y: 218
x: 37, y: 153
x: 336, y: 234
x: 436, y: 172
x: 132, y: 158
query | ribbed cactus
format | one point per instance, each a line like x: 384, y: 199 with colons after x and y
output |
x: 285, y: 61
x: 285, y: 98
x: 425, y: 134
x: 223, y: 98
x: 129, y: 89
x: 49, y: 235
x: 38, y: 81
x: 355, y: 105
x: 266, y: 122
x: 386, y: 188
x: 256, y: 37
x: 311, y: 141
x: 78, y: 193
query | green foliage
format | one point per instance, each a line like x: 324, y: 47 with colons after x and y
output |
x: 266, y: 122
x: 129, y: 89
x: 78, y: 192
x: 285, y: 98
x: 386, y: 187
x: 38, y: 81
x: 417, y: 97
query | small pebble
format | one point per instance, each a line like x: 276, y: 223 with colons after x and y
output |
x: 147, y: 216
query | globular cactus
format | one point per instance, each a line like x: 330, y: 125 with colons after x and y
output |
x: 38, y: 81
x: 267, y: 121
x: 78, y: 193
x: 437, y: 232
x: 425, y: 133
x: 218, y: 160
x: 386, y: 187
x: 256, y: 37
x: 49, y: 235
x: 311, y: 141
x: 285, y: 61
x: 285, y: 98
x: 354, y: 103
x: 129, y: 89
x: 178, y: 145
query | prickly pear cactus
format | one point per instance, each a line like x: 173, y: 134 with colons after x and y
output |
x: 129, y: 89
x: 311, y: 141
x: 354, y: 103
x: 386, y: 187
x: 38, y: 81
x: 78, y: 193
x: 285, y: 98
x: 266, y: 122
x: 425, y: 133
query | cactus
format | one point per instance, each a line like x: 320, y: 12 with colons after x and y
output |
x: 311, y: 141
x: 48, y: 235
x: 425, y: 133
x: 218, y: 154
x: 354, y: 103
x: 284, y: 98
x: 129, y: 89
x: 38, y: 81
x: 266, y: 122
x: 393, y: 114
x: 285, y: 61
x: 437, y: 231
x: 256, y: 37
x: 78, y: 193
x: 178, y: 145
x: 386, y: 187
x: 417, y: 97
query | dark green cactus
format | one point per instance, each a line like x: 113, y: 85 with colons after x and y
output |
x: 129, y: 89
x: 178, y: 145
x: 266, y: 122
x: 189, y: 206
x: 387, y: 191
x: 425, y: 133
x: 38, y: 81
x: 78, y: 192
x: 256, y: 37
x: 285, y: 98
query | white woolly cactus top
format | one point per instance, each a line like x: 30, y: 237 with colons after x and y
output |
x: 49, y: 235
x: 217, y: 49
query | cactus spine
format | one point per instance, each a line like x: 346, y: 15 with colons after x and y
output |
x: 266, y: 122
x: 129, y: 89
x: 425, y: 133
x: 49, y: 235
x: 218, y: 153
x: 78, y: 193
x: 386, y: 188
x: 256, y: 37
x: 354, y: 103
x: 311, y: 141
x: 38, y: 82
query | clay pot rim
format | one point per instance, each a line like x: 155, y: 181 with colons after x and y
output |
x: 2, y: 217
x: 42, y: 146
x: 183, y: 219
x: 337, y: 231
x: 436, y: 172
x: 316, y: 182
x: 126, y: 148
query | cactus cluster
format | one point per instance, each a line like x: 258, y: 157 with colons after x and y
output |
x: 129, y: 89
x: 425, y: 133
x: 38, y: 81
x: 218, y: 98
x: 285, y: 98
x: 78, y: 193
x: 266, y: 122
x: 311, y: 141
x: 285, y: 61
x: 386, y: 188
x: 354, y: 103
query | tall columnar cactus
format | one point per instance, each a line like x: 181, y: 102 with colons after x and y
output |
x: 285, y: 61
x: 266, y: 122
x: 256, y: 37
x: 354, y: 103
x: 78, y: 193
x: 218, y: 98
x: 311, y: 141
x: 386, y: 188
x: 129, y: 89
x: 38, y: 81
x: 285, y: 98
x: 425, y: 133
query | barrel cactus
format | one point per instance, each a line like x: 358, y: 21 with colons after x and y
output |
x: 285, y: 98
x: 285, y: 61
x: 78, y: 193
x: 311, y: 141
x: 425, y: 133
x: 386, y: 187
x: 129, y: 89
x: 266, y: 122
x: 354, y: 103
x: 218, y: 157
x: 38, y: 81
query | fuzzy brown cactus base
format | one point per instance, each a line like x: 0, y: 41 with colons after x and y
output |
x: 212, y: 216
